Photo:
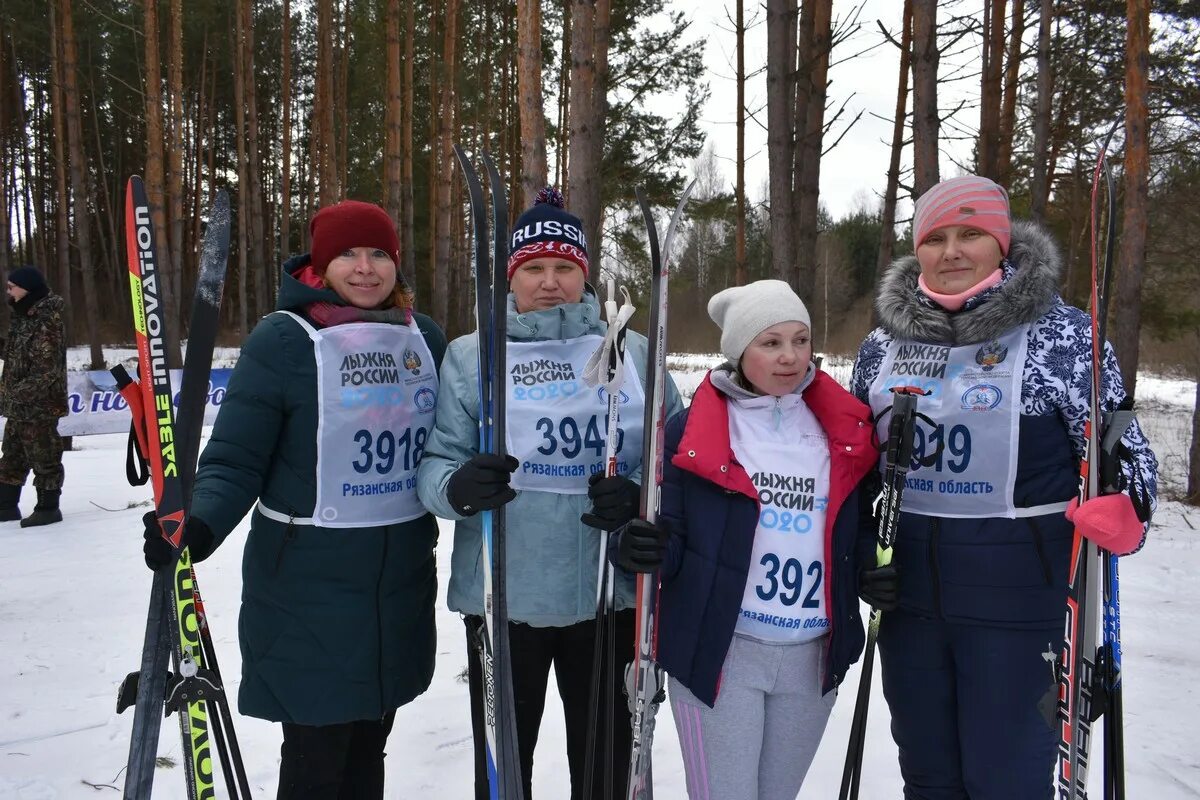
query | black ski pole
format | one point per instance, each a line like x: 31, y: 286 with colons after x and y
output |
x: 898, y: 459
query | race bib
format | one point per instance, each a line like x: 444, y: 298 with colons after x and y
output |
x: 784, y: 598
x: 974, y: 400
x: 557, y: 424
x: 376, y: 394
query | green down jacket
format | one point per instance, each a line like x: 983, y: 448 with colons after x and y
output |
x: 336, y: 624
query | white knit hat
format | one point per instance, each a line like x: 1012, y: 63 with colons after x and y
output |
x: 743, y: 312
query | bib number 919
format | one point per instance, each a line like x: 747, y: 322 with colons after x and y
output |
x: 384, y: 451
x: 953, y: 448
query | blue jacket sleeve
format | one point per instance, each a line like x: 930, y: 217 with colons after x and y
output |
x: 455, y: 436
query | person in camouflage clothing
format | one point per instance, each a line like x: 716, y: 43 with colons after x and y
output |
x: 33, y: 395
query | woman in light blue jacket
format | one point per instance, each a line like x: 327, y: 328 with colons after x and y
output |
x: 553, y: 485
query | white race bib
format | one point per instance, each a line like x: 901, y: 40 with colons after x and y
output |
x: 784, y: 599
x: 376, y: 394
x: 975, y: 402
x: 557, y: 424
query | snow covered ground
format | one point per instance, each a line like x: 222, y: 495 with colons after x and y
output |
x: 73, y: 600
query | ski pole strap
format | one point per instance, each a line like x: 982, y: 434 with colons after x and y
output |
x: 606, y: 367
x: 137, y: 469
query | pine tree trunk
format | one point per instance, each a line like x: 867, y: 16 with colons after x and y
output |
x: 586, y: 108
x: 62, y: 232
x: 446, y: 131
x: 343, y: 102
x: 1039, y: 186
x: 394, y: 119
x: 990, y: 89
x: 887, y: 228
x: 1008, y: 108
x: 816, y: 72
x: 925, y: 105
x: 436, y: 19
x: 325, y: 161
x: 529, y: 83
x: 264, y: 302
x: 7, y: 165
x: 739, y: 247
x: 564, y: 93
x: 1137, y: 189
x: 781, y: 103
x: 243, y: 195
x: 175, y: 157
x: 80, y: 193
x: 285, y: 92
x: 5, y: 169
x: 408, y: 236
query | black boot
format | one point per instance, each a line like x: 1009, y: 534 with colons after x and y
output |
x: 46, y: 511
x: 9, y: 496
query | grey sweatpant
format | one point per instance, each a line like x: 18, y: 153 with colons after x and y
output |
x: 759, y: 739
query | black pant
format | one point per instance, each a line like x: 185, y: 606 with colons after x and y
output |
x: 323, y: 762
x: 570, y: 651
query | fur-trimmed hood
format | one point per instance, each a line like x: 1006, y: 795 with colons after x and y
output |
x: 1023, y: 297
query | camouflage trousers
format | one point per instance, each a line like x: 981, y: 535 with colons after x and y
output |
x: 36, y: 445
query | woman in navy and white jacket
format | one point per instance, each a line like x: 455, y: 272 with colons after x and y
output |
x: 984, y: 542
x: 759, y: 543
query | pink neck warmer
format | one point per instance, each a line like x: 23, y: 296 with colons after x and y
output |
x: 954, y: 302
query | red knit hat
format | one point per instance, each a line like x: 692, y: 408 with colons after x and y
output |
x: 968, y: 200
x: 348, y: 224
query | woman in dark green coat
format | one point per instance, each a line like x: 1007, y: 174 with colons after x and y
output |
x: 321, y: 432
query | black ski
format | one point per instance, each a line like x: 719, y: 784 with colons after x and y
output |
x: 491, y: 296
x: 644, y: 679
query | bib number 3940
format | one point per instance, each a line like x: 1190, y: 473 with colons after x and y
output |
x: 567, y: 436
x: 384, y: 451
x: 786, y: 579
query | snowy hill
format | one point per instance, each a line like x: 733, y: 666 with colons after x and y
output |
x: 72, y: 608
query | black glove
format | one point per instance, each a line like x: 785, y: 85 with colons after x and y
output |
x: 641, y: 546
x: 880, y: 587
x: 197, y: 537
x: 481, y: 484
x: 614, y: 502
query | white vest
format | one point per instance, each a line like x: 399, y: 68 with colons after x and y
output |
x: 783, y: 448
x: 557, y: 424
x: 975, y: 400
x: 376, y: 394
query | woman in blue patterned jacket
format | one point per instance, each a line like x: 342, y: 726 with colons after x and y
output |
x: 981, y: 559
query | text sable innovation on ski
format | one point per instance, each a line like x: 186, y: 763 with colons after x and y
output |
x: 491, y: 303
x: 176, y: 627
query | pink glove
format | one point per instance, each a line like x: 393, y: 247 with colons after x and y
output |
x: 1110, y: 521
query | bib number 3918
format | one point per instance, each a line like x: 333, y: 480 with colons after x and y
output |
x: 786, y: 579
x: 382, y: 452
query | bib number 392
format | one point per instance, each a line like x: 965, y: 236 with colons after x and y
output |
x: 786, y: 579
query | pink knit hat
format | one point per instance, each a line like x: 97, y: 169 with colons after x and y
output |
x: 969, y: 200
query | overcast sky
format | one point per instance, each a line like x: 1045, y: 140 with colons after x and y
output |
x: 856, y: 170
